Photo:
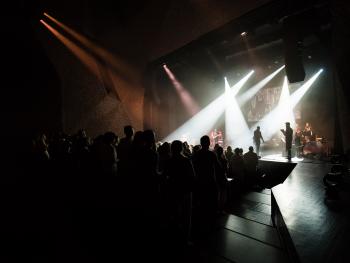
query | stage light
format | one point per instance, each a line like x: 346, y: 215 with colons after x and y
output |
x: 237, y: 87
x: 274, y: 121
x: 299, y: 94
x: 81, y: 54
x: 201, y: 123
x: 124, y: 69
x: 187, y: 100
x: 286, y: 110
x: 243, y: 34
x: 235, y: 125
x: 112, y: 71
x: 245, y: 97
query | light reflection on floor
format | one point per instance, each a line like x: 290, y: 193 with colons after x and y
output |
x: 279, y: 158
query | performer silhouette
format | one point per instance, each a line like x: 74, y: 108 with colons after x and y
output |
x: 288, y: 133
x: 257, y: 137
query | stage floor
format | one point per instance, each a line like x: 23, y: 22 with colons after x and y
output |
x: 279, y: 158
x: 319, y: 228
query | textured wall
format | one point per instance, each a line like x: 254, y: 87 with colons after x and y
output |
x: 134, y: 32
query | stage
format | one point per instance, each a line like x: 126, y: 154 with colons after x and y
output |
x: 312, y: 227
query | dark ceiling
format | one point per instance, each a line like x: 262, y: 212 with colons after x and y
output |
x: 266, y: 27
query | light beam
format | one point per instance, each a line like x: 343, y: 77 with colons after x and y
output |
x: 187, y: 100
x: 245, y: 97
x: 201, y: 123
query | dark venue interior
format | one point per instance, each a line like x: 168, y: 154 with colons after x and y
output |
x: 175, y: 131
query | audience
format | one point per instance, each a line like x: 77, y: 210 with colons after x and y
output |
x: 171, y: 186
x: 181, y: 178
x: 236, y: 168
x: 251, y: 163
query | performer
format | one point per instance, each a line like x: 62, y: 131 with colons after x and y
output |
x: 298, y: 141
x: 214, y: 136
x: 307, y: 132
x: 288, y: 133
x: 257, y: 137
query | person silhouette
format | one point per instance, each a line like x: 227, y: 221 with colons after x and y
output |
x: 257, y: 139
x: 288, y: 133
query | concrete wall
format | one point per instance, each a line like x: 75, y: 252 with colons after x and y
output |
x: 135, y: 32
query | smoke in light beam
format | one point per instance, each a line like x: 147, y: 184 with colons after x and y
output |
x: 187, y: 100
x: 235, y: 125
x: 237, y: 87
x: 117, y: 63
x: 298, y: 95
x: 81, y: 54
x: 273, y: 121
x: 245, y: 97
x: 201, y: 123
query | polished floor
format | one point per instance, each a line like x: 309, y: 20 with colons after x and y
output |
x: 319, y: 226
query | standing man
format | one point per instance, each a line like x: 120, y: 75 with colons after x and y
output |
x: 124, y: 151
x: 288, y: 133
x: 257, y: 137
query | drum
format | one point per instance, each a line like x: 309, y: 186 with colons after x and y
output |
x: 312, y: 147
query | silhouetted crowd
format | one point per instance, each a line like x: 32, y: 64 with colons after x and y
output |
x: 96, y: 195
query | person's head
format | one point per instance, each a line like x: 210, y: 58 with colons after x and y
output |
x: 128, y: 131
x: 229, y: 149
x: 82, y: 133
x: 258, y: 128
x: 241, y: 151
x: 110, y: 138
x: 288, y: 124
x: 237, y: 151
x: 251, y: 149
x: 164, y: 149
x: 138, y: 139
x: 219, y: 151
x: 185, y: 145
x: 176, y: 147
x: 149, y: 138
x: 196, y: 148
x: 216, y: 146
x: 205, y: 142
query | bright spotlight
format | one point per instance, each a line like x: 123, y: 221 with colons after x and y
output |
x: 115, y: 62
x: 186, y: 98
x: 235, y: 124
x: 201, y: 123
x: 237, y: 87
x: 286, y: 110
x: 245, y: 97
x: 298, y: 95
x: 243, y: 34
x: 274, y: 120
x: 88, y: 60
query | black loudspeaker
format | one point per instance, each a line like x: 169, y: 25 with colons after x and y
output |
x: 293, y: 50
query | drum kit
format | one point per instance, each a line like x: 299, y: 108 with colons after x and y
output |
x: 318, y: 146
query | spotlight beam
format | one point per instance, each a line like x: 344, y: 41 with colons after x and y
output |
x: 81, y: 54
x: 298, y: 94
x: 237, y: 87
x: 185, y: 97
x: 235, y: 124
x: 201, y: 123
x: 272, y: 122
x: 245, y: 97
x: 110, y: 58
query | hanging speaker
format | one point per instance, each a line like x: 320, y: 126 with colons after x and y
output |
x: 293, y: 50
